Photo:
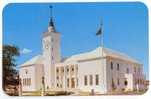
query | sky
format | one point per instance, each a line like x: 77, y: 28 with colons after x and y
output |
x: 125, y: 28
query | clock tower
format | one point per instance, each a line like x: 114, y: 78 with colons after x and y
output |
x: 51, y: 54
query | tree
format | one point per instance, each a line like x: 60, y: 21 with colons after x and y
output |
x: 10, y: 53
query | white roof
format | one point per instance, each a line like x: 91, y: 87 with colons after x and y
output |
x: 35, y: 60
x: 98, y: 53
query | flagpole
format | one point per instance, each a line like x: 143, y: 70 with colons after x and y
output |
x: 102, y: 45
x: 100, y: 33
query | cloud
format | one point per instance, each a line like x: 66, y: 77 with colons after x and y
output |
x: 26, y: 51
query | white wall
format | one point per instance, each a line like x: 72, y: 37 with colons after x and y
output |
x: 92, y: 67
x: 30, y: 74
x: 122, y: 73
x: 39, y: 74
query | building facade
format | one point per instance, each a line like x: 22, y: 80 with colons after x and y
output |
x: 102, y: 70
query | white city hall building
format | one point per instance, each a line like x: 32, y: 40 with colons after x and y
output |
x: 102, y: 70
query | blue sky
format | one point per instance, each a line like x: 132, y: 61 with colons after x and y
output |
x: 125, y: 28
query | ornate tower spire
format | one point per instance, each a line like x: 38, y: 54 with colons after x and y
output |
x: 51, y: 27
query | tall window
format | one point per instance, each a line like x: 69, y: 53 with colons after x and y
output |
x: 52, y: 39
x: 85, y: 80
x: 91, y: 80
x: 77, y: 81
x: 57, y: 85
x: 77, y: 67
x: 113, y: 84
x: 23, y: 82
x: 97, y: 79
x: 127, y: 70
x: 29, y: 81
x: 57, y: 70
x: 72, y: 69
x: 52, y: 58
x: 26, y: 71
x: 118, y: 67
x: 26, y: 81
x: 135, y: 69
x: 60, y: 85
x: 62, y: 69
x: 111, y: 65
x: 118, y: 81
x: 125, y: 83
x: 52, y: 48
x: 68, y: 82
x: 139, y: 69
x: 67, y: 69
x: 57, y: 77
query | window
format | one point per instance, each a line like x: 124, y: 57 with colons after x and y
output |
x: 67, y: 69
x: 57, y: 77
x: 118, y: 67
x: 52, y: 39
x: 85, y: 80
x: 47, y: 87
x: 91, y: 79
x: 139, y: 70
x: 125, y: 83
x: 29, y: 81
x: 72, y: 69
x: 111, y: 65
x: 23, y: 81
x: 26, y: 81
x: 113, y: 84
x: 52, y: 48
x: 77, y: 67
x: 26, y: 71
x: 52, y: 58
x: 127, y: 70
x: 77, y: 81
x: 68, y: 82
x: 138, y: 81
x: 97, y: 79
x: 72, y: 83
x: 135, y: 69
x: 60, y: 85
x: 57, y: 70
x: 62, y: 70
x: 57, y: 85
x: 118, y: 81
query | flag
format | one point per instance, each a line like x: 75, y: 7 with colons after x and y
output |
x: 99, y: 32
